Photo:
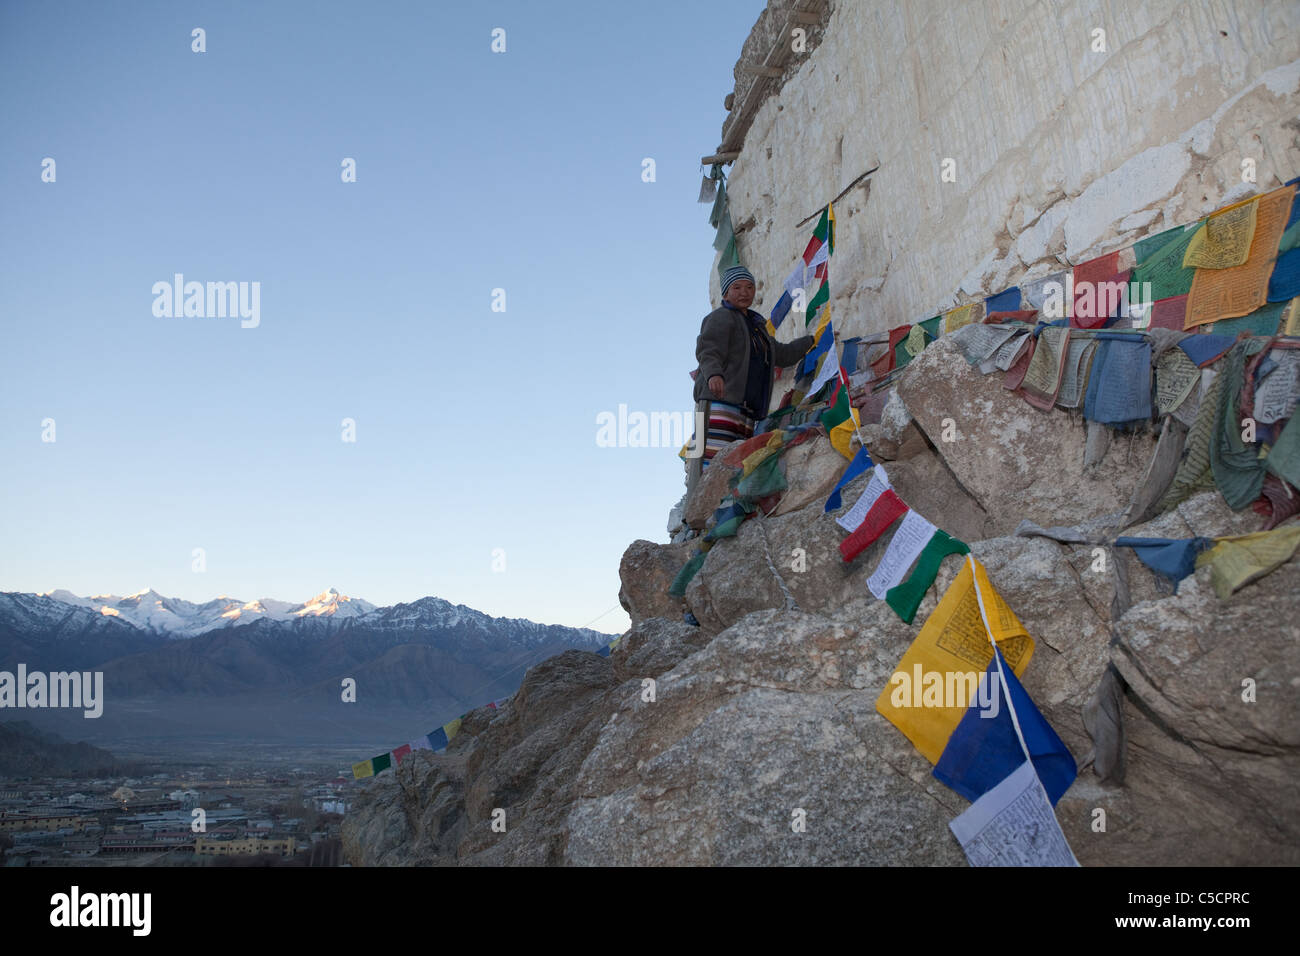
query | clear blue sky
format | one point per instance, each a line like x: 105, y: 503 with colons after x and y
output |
x: 475, y: 429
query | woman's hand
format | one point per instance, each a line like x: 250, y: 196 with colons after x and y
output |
x: 716, y: 385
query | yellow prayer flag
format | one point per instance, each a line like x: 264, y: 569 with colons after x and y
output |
x: 1238, y: 290
x: 1223, y: 241
x: 363, y: 769
x: 928, y: 694
x: 452, y: 728
x: 767, y: 451
x: 1236, y: 561
x: 915, y: 343
x: 963, y: 315
x: 841, y: 435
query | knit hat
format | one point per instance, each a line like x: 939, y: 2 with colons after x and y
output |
x: 732, y: 274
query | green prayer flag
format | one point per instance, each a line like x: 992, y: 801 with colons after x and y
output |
x: 822, y: 296
x: 1263, y: 321
x: 838, y: 413
x: 933, y: 327
x: 688, y: 571
x: 1163, y: 264
x: 382, y: 762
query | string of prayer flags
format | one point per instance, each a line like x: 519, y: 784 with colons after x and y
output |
x: 921, y: 698
x: 1237, y: 290
x: 887, y: 509
x: 1237, y: 560
x: 1171, y: 558
x: 1005, y: 301
x: 984, y: 749
x: 905, y: 598
x: 860, y: 463
x: 1224, y: 238
x: 913, y: 534
x: 1119, y: 385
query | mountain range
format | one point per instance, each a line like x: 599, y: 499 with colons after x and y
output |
x: 173, y: 668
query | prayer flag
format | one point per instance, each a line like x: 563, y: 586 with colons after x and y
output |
x: 913, y: 534
x: 905, y: 598
x: 1007, y: 301
x: 382, y: 762
x: 1171, y: 558
x: 1224, y: 239
x: 1237, y: 290
x: 984, y: 749
x: 860, y: 463
x: 362, y: 770
x: 953, y: 647
x: 884, y: 512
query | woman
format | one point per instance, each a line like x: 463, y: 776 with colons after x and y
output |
x: 738, y: 362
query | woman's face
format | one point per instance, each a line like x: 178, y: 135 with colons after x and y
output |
x: 741, y: 293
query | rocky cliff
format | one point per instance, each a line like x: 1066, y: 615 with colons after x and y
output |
x: 768, y: 706
x: 700, y: 743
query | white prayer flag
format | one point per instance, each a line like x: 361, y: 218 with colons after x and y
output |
x: 876, y: 487
x: 913, y: 534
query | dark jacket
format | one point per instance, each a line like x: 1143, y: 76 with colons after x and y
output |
x: 723, y: 349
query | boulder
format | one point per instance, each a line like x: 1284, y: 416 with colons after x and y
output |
x: 1015, y: 460
x: 646, y: 571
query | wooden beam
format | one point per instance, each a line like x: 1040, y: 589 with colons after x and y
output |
x: 720, y: 158
x: 843, y: 193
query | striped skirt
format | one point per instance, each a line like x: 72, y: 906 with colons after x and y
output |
x: 727, y: 423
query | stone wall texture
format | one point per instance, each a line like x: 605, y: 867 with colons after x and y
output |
x: 1061, y: 153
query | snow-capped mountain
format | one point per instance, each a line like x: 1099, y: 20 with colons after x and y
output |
x: 174, y: 617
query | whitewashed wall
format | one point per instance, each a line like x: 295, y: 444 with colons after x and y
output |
x: 1061, y: 153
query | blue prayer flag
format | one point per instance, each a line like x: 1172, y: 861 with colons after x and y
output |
x: 984, y: 750
x: 1008, y: 301
x: 1205, y: 348
x: 781, y: 309
x: 438, y: 739
x: 1284, y: 283
x: 1172, y: 558
x: 860, y: 463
